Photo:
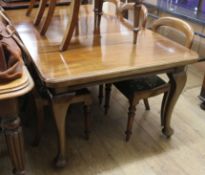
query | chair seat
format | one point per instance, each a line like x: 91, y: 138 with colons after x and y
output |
x: 129, y: 87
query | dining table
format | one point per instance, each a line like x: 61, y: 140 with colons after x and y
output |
x: 96, y: 56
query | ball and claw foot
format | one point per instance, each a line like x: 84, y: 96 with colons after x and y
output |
x: 168, y: 132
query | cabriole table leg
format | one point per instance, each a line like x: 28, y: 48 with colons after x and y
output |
x: 177, y: 82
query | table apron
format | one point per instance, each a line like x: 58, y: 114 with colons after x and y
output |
x: 67, y: 88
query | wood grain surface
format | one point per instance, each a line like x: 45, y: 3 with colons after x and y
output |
x: 94, y: 56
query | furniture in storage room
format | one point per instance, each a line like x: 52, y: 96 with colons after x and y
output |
x: 92, y: 61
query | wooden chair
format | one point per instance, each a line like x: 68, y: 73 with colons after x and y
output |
x: 140, y: 12
x: 30, y: 7
x: 40, y: 12
x: 145, y: 87
x: 75, y: 5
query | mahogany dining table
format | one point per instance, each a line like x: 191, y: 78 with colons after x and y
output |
x: 97, y: 56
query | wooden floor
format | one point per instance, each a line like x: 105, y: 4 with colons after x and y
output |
x: 106, y: 153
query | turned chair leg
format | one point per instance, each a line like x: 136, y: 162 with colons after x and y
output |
x: 146, y: 103
x: 107, y: 97
x: 100, y: 97
x: 131, y: 115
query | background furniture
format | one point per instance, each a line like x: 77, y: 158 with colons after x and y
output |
x: 145, y: 87
x: 92, y: 61
x: 10, y: 120
x: 195, y: 17
x: 74, y: 13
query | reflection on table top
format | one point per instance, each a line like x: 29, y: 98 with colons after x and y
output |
x: 94, y: 57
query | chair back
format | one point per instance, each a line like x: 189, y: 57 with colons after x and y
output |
x: 142, y: 18
x: 116, y: 2
x: 177, y: 25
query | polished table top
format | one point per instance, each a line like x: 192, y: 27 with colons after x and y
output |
x: 95, y: 57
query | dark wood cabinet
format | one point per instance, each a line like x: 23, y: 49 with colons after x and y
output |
x: 202, y: 95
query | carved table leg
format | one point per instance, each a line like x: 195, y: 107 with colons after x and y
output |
x: 59, y: 111
x: 177, y: 82
x: 13, y: 134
